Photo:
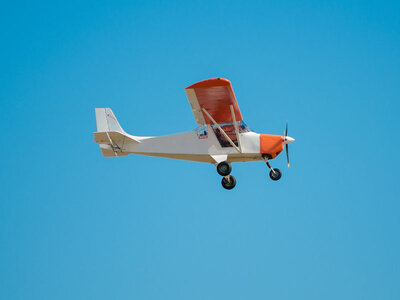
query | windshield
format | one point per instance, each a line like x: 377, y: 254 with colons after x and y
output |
x: 243, y: 127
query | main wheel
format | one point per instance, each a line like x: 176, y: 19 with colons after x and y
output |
x: 229, y: 184
x: 275, y: 176
x: 224, y: 169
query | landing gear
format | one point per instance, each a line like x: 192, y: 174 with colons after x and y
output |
x: 274, y: 174
x: 224, y: 168
x: 228, y: 182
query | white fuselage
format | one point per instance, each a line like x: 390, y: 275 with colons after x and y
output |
x: 190, y: 146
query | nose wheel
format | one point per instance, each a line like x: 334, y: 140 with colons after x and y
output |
x: 224, y: 169
x: 274, y: 174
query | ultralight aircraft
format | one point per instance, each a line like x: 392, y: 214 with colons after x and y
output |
x: 221, y: 138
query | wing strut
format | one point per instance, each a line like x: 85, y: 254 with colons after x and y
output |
x: 236, y: 128
x: 222, y: 131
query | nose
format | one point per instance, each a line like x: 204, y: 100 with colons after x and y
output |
x: 288, y: 140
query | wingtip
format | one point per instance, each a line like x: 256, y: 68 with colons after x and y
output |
x: 218, y: 81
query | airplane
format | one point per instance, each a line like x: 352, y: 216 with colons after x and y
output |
x: 221, y: 138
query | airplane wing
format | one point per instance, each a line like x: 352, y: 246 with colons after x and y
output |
x: 216, y: 97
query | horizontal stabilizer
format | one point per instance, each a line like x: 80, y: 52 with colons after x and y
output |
x: 116, y: 137
x: 112, y: 143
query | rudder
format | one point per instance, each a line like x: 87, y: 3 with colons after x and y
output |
x: 106, y: 120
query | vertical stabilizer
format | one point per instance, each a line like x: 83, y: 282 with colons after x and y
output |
x: 110, y: 136
x: 106, y: 121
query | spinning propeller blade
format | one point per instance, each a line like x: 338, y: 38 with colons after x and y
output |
x: 287, y: 140
x: 287, y: 155
x: 286, y: 130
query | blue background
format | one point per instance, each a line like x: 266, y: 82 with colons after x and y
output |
x: 75, y: 225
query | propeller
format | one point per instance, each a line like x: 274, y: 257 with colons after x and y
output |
x: 287, y: 140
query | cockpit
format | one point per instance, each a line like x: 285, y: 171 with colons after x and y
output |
x: 229, y: 130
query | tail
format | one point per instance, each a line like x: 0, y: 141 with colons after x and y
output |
x: 110, y: 136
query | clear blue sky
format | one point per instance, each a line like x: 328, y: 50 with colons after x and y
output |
x: 75, y: 225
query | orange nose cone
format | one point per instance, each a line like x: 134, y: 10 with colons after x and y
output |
x: 271, y: 144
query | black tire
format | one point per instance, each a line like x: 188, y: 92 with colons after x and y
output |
x: 275, y: 176
x: 229, y: 184
x: 224, y: 169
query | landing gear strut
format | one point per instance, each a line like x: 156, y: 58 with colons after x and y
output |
x: 274, y: 174
x: 224, y: 169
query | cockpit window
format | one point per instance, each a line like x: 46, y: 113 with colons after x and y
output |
x: 243, y: 127
x: 229, y: 129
